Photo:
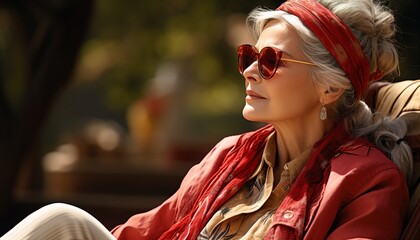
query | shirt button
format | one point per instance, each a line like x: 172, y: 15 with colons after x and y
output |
x: 224, y: 210
x: 324, y: 164
x: 288, y: 214
x: 286, y: 187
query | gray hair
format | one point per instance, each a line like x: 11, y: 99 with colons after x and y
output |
x: 374, y: 27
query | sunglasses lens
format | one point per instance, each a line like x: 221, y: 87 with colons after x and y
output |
x: 268, y: 62
x: 246, y: 56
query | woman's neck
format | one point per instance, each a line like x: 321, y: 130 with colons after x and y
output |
x: 294, y: 137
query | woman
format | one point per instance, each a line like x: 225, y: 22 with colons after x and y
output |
x: 323, y: 167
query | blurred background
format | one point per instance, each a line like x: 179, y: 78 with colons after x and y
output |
x: 106, y: 104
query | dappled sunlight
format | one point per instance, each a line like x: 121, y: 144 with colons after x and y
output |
x: 98, y: 57
x: 63, y: 159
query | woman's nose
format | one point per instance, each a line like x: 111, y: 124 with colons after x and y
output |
x: 251, y: 72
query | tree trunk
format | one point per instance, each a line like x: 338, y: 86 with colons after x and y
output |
x: 52, y: 36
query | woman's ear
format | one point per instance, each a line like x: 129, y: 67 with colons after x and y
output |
x: 331, y: 95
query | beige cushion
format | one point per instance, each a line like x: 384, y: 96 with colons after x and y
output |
x: 399, y: 99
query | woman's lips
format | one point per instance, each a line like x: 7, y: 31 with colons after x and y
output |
x: 251, y: 95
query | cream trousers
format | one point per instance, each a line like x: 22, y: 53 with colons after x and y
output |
x: 59, y: 221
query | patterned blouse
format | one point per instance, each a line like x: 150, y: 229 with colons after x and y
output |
x: 248, y: 214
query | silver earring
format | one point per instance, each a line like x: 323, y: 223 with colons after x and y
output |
x: 323, y: 113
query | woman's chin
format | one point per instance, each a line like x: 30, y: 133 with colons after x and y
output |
x: 250, y: 114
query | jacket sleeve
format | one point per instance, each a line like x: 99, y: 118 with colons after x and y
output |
x: 377, y: 208
x: 152, y: 224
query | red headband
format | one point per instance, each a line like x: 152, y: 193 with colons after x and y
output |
x: 337, y: 37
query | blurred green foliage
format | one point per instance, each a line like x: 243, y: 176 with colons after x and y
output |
x: 130, y: 39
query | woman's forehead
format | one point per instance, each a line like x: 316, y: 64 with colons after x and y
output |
x: 281, y: 35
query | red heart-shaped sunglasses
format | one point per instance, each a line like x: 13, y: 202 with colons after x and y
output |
x: 268, y: 58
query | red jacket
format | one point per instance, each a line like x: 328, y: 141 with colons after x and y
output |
x: 365, y: 197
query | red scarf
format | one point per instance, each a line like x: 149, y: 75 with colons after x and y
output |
x: 307, y: 190
x: 238, y: 166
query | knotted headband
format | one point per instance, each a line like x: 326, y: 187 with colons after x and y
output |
x: 337, y: 38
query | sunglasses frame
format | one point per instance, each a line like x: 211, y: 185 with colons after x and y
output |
x: 256, y: 55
